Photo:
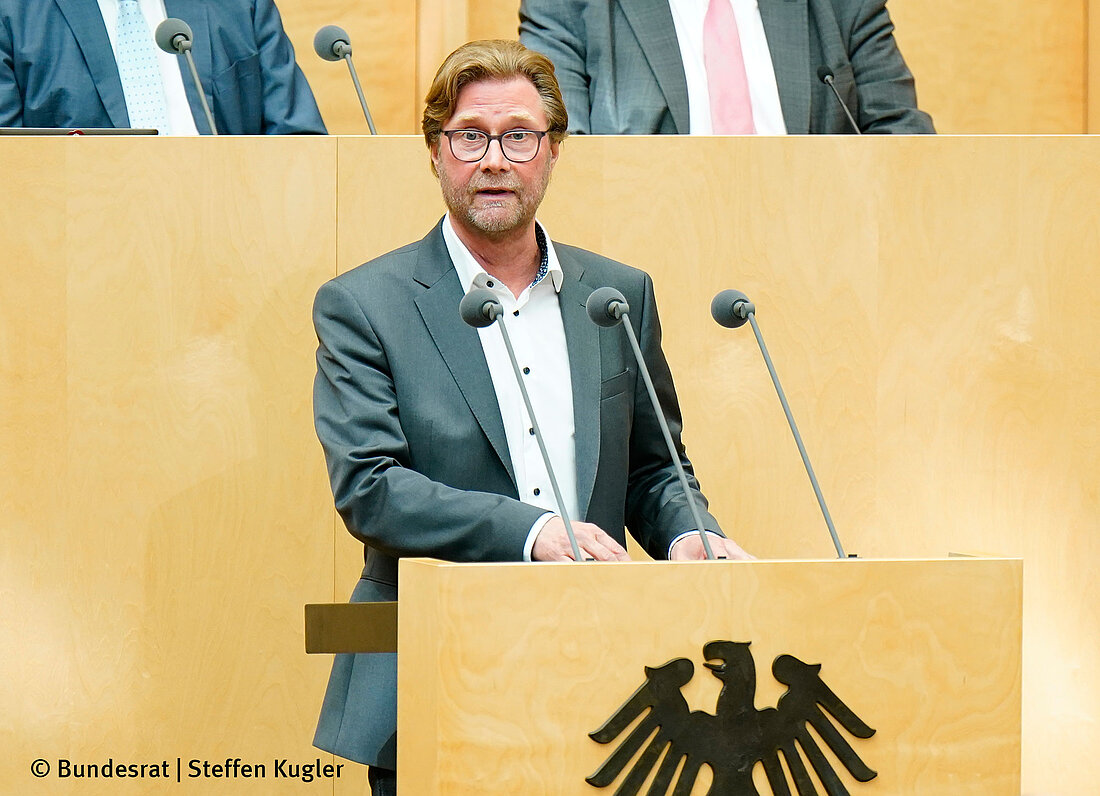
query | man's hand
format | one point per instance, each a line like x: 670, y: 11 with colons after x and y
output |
x: 552, y: 543
x: 690, y: 548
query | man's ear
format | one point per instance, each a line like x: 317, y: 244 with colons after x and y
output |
x: 433, y: 153
x: 554, y: 147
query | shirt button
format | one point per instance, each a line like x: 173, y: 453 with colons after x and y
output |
x: 531, y: 431
x: 526, y: 371
x: 537, y: 491
x: 516, y: 313
x: 491, y: 283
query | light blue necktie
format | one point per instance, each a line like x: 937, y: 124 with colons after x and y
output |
x: 138, y: 69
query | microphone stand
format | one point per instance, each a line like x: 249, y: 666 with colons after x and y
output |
x: 731, y: 308
x: 480, y: 308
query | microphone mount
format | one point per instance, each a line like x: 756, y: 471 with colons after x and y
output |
x: 481, y: 308
x: 332, y: 43
x: 175, y: 36
x: 825, y: 75
x: 731, y: 308
x: 608, y: 307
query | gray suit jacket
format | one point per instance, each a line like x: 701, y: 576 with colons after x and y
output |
x: 406, y: 412
x: 619, y: 66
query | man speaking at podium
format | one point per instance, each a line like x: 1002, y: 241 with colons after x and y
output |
x: 94, y: 63
x: 429, y: 449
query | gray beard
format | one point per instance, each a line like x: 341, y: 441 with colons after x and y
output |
x: 489, y: 220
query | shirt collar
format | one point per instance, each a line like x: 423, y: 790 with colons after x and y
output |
x: 469, y: 268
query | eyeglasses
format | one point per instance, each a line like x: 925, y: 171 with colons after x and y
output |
x: 519, y: 146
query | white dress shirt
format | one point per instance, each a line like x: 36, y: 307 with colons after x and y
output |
x: 688, y: 16
x: 180, y: 119
x: 538, y: 338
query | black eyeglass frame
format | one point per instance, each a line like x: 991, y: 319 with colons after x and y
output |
x: 489, y: 139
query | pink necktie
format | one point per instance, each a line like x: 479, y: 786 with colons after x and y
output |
x: 730, y: 106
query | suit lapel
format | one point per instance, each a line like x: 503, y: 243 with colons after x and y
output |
x: 87, y: 26
x: 458, y: 344
x: 787, y: 28
x: 194, y: 13
x: 583, y: 340
x: 651, y: 21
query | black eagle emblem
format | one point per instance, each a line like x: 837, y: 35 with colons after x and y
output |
x: 737, y: 736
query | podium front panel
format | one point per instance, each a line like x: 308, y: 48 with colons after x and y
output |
x: 504, y: 669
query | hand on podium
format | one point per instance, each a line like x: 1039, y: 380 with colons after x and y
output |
x: 690, y: 548
x: 552, y: 543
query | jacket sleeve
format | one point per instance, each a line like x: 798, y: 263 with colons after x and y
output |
x: 288, y: 102
x: 887, y: 95
x: 555, y: 28
x: 11, y: 98
x: 383, y: 501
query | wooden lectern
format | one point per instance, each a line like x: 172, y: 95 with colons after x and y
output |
x: 505, y: 669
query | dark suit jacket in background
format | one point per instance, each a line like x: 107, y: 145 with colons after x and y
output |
x: 57, y: 68
x: 620, y: 70
x: 416, y: 450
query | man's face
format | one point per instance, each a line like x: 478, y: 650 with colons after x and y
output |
x: 495, y: 197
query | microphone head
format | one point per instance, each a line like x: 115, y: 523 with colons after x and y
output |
x: 173, y: 36
x: 606, y: 306
x: 332, y: 43
x: 731, y: 308
x: 824, y: 74
x: 480, y: 307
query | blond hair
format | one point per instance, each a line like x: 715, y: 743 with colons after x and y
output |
x: 492, y: 59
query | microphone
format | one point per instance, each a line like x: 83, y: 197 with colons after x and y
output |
x: 480, y: 308
x: 333, y: 44
x: 825, y: 75
x: 731, y: 308
x: 607, y: 307
x: 174, y: 36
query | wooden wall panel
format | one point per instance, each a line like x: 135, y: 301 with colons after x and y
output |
x: 930, y: 307
x: 165, y: 512
x: 494, y: 19
x: 997, y: 67
x: 384, y: 41
x: 442, y: 26
x: 1003, y: 395
x: 1093, y: 76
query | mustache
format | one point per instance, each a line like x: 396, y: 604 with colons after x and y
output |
x: 506, y: 183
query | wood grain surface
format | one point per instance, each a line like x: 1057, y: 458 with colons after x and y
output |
x: 504, y: 692
x: 165, y: 508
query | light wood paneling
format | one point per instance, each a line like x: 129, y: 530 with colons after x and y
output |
x: 997, y: 67
x: 1002, y: 391
x: 384, y: 41
x: 165, y: 512
x: 388, y: 196
x: 445, y: 25
x: 442, y: 26
x: 940, y: 687
x: 494, y: 19
x: 1093, y: 77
